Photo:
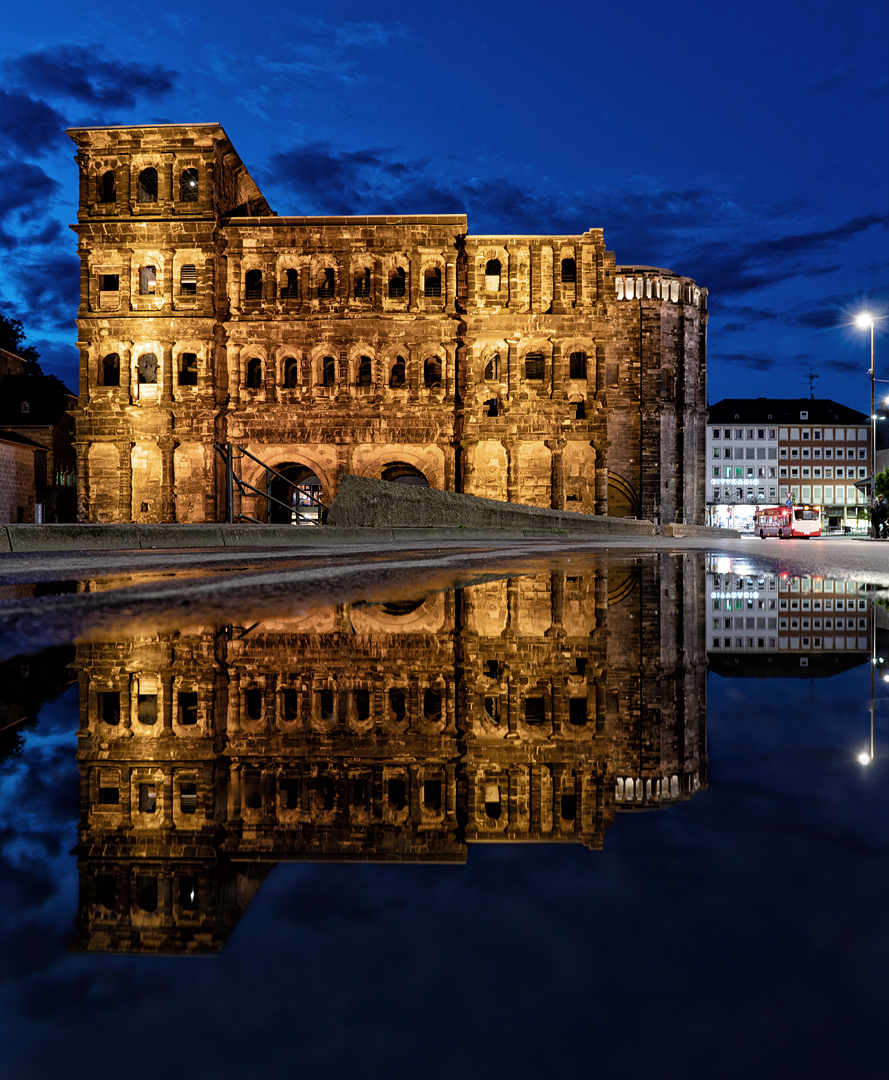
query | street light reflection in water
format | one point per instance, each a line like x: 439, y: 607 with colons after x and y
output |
x: 503, y: 729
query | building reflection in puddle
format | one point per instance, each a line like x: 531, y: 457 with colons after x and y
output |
x: 530, y: 709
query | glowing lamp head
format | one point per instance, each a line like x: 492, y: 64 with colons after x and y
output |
x: 863, y: 321
x: 864, y: 758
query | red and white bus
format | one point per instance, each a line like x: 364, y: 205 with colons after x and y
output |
x: 787, y: 521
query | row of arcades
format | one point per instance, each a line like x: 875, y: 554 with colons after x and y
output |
x: 186, y: 365
x: 151, y: 707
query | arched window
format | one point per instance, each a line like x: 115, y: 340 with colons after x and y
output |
x: 328, y: 371
x: 569, y: 270
x: 362, y: 281
x: 148, y: 280
x: 577, y: 365
x: 147, y: 186
x: 188, y: 279
x: 253, y: 285
x: 291, y: 373
x: 188, y: 369
x: 365, y: 371
x: 432, y: 705
x: 492, y: 369
x: 108, y: 187
x: 432, y: 281
x: 397, y: 280
x: 146, y: 369
x: 534, y: 366
x: 432, y: 372
x: 397, y: 375
x: 580, y: 411
x: 327, y: 283
x: 253, y: 703
x: 188, y: 186
x: 492, y: 275
x: 290, y: 291
x: 254, y: 373
x: 111, y: 370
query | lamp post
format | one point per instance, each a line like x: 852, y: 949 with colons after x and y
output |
x: 864, y: 320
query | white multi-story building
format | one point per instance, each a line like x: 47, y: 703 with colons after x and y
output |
x: 761, y: 451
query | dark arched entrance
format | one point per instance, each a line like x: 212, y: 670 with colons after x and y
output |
x: 399, y: 472
x: 305, y: 511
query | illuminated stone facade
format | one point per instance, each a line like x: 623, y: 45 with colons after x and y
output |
x: 525, y: 368
x: 522, y: 710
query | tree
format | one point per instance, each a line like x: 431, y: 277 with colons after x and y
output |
x: 12, y: 339
x: 881, y: 484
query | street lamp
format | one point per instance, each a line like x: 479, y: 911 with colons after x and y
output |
x: 864, y: 320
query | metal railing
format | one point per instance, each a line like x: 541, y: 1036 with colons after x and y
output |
x: 232, y: 482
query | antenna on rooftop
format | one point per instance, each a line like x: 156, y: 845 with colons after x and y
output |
x: 811, y: 376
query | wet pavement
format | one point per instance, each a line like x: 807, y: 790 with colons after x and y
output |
x: 418, y: 803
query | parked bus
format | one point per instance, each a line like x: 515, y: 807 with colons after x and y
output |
x: 787, y: 521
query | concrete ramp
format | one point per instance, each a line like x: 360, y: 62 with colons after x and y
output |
x: 362, y: 503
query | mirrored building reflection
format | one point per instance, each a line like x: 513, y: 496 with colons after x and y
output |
x: 531, y: 709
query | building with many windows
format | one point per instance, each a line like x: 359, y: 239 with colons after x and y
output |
x: 762, y: 451
x: 532, y: 369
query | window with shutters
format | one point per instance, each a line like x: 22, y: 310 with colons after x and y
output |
x: 188, y: 279
x: 188, y: 186
x: 146, y: 187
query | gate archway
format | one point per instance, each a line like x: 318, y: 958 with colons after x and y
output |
x: 298, y: 487
x: 399, y: 472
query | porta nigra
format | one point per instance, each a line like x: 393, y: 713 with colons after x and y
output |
x: 531, y: 369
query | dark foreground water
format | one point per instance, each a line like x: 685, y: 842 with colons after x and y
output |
x: 606, y: 817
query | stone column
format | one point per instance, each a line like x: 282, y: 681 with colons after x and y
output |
x: 450, y: 283
x: 512, y: 471
x: 167, y: 373
x: 558, y: 374
x: 557, y: 473
x: 535, y: 792
x: 233, y: 354
x: 512, y: 371
x: 125, y: 480
x: 166, y: 704
x: 167, y: 448
x: 83, y: 480
x: 126, y: 372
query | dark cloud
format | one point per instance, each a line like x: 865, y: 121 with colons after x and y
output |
x: 45, y: 293
x: 30, y: 124
x: 25, y: 190
x: 737, y: 328
x: 59, y: 359
x: 89, y: 75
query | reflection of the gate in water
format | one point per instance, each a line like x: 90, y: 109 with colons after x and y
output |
x: 529, y: 709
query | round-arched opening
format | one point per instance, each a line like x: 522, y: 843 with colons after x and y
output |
x: 299, y: 489
x: 399, y: 472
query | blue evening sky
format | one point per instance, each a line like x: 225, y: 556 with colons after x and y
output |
x: 745, y: 145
